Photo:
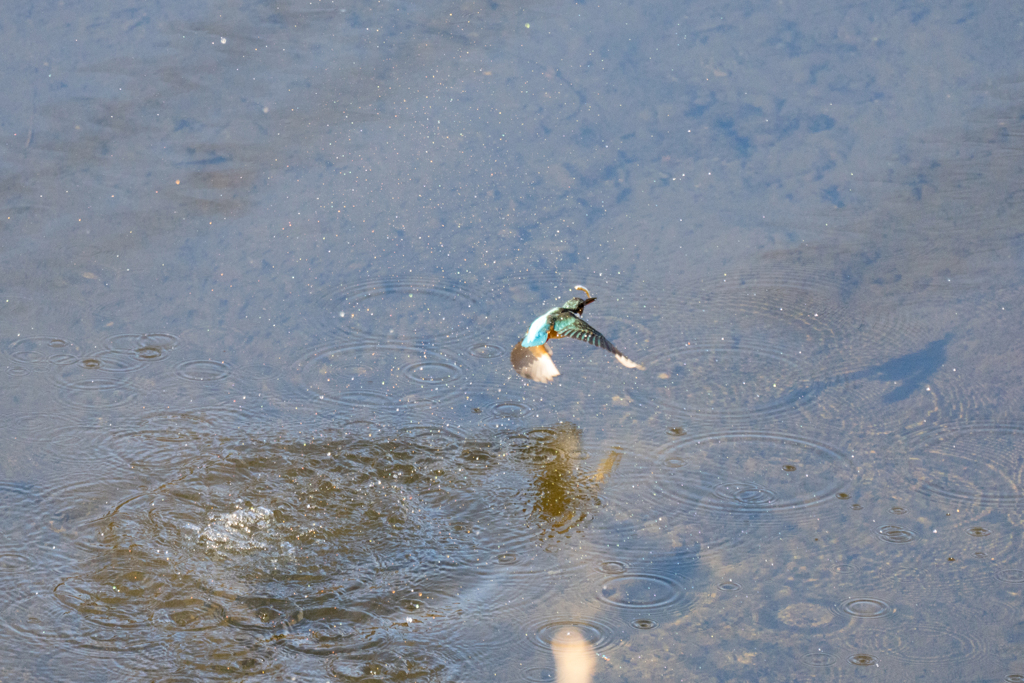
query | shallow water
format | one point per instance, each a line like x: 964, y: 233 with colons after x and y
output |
x: 262, y: 267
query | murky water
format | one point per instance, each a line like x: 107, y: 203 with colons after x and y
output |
x: 262, y: 267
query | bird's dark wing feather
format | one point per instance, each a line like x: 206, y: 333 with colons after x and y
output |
x: 568, y: 325
x: 571, y: 326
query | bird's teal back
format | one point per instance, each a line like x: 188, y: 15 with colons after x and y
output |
x: 538, y: 332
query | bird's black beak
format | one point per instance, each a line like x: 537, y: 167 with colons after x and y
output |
x: 589, y: 301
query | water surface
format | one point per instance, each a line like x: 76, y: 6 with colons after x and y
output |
x: 262, y: 266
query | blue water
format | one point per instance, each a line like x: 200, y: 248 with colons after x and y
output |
x: 262, y: 267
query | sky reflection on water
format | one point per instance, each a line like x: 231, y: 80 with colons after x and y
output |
x: 262, y: 266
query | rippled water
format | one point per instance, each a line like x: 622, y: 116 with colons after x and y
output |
x: 262, y: 268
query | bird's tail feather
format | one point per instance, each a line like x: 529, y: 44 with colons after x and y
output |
x: 628, y: 363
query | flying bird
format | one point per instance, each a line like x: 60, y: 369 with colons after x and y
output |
x: 530, y: 356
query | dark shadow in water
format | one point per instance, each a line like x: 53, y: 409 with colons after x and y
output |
x: 912, y: 370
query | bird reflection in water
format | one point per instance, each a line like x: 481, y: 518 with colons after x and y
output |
x: 565, y: 493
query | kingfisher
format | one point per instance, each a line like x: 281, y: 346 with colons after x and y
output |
x: 530, y: 356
